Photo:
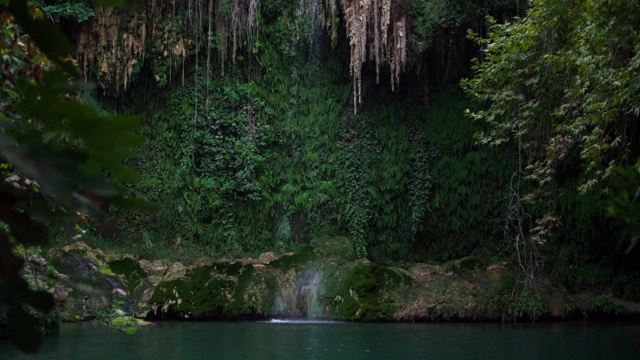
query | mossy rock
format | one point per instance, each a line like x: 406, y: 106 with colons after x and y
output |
x: 507, y: 299
x: 340, y: 247
x: 228, y: 268
x: 169, y: 290
x: 365, y: 292
x: 202, y: 294
x: 496, y: 301
x: 465, y: 266
x: 125, y: 321
x: 130, y: 270
x: 254, y: 294
x: 304, y: 257
x: 77, y: 252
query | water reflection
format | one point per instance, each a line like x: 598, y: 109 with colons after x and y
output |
x: 334, y: 340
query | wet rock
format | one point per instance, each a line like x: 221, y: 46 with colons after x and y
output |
x: 156, y: 267
x: 176, y: 271
x: 496, y: 270
x: 423, y: 272
x: 464, y: 266
x: 268, y: 257
x: 249, y: 261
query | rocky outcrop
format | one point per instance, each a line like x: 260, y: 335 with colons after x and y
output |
x: 312, y: 283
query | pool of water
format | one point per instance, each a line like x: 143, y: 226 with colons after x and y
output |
x: 334, y: 340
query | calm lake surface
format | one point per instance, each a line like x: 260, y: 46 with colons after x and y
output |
x: 283, y: 340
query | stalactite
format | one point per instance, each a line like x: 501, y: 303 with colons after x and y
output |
x: 329, y: 19
x: 235, y: 30
x: 238, y: 27
x: 376, y: 40
x: 381, y: 26
x: 114, y: 45
x: 399, y: 52
x: 385, y: 20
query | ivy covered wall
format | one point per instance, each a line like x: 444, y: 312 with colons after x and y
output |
x: 255, y: 142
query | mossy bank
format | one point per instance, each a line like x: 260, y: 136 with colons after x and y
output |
x: 315, y: 283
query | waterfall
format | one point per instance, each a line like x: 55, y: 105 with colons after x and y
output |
x: 300, y: 297
x: 306, y: 37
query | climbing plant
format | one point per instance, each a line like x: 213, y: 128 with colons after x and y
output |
x: 57, y: 148
x: 561, y: 84
x: 61, y: 10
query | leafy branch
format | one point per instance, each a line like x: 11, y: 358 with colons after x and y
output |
x: 58, y: 143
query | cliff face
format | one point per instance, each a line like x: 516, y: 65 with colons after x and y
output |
x: 315, y: 283
x: 254, y: 143
x: 167, y: 40
x: 252, y: 138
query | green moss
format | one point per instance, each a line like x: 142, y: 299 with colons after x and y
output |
x: 212, y: 299
x: 364, y: 292
x: 362, y: 278
x: 507, y: 299
x: 497, y: 300
x: 130, y: 270
x: 303, y: 257
x: 202, y: 294
x: 603, y: 305
x: 348, y: 309
x: 238, y: 305
x: 208, y: 294
x: 228, y: 268
x: 201, y: 275
x: 341, y: 247
x: 470, y: 264
x: 77, y: 252
x: 169, y: 290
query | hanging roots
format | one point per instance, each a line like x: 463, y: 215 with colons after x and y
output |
x: 114, y: 41
x: 329, y: 19
x: 114, y: 44
x: 381, y: 26
x: 236, y: 22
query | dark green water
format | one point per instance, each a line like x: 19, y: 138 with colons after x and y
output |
x: 211, y: 340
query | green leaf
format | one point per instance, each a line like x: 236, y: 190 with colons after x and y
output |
x: 49, y: 38
x: 25, y: 230
x: 114, y: 3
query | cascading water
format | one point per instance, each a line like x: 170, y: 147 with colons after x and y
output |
x: 306, y: 38
x: 300, y: 298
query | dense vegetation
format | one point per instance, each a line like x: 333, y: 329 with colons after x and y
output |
x: 567, y: 96
x: 254, y: 141
x: 53, y: 150
x: 271, y: 155
x: 271, y: 125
